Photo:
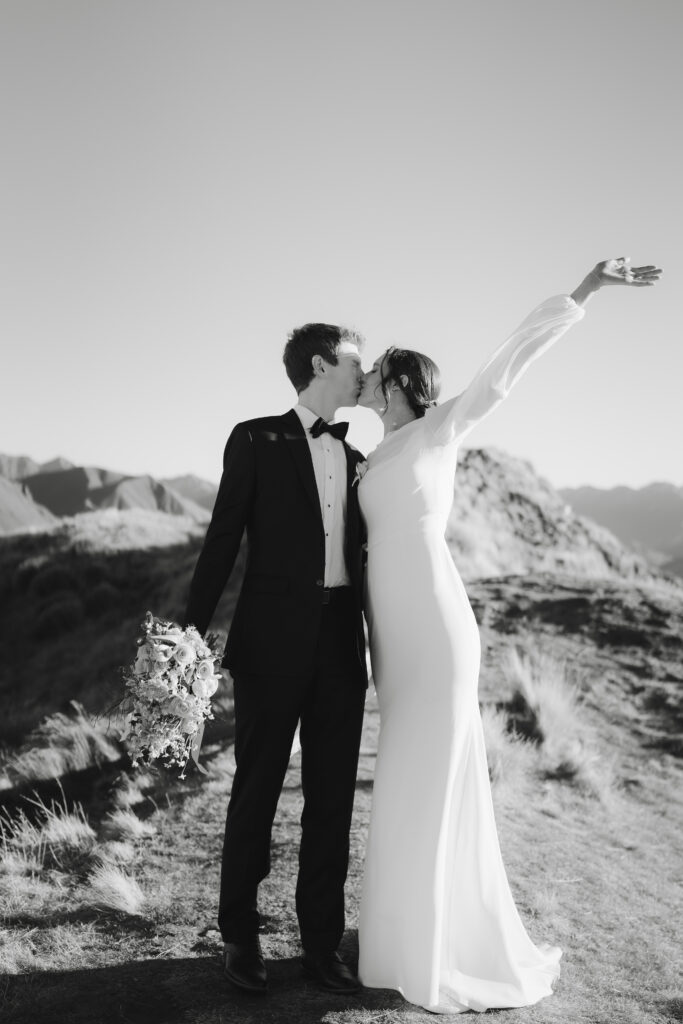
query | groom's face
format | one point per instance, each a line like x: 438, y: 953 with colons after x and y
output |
x: 344, y: 381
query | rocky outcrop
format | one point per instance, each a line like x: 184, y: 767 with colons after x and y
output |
x: 507, y: 519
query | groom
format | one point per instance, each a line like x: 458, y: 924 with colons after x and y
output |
x: 296, y: 648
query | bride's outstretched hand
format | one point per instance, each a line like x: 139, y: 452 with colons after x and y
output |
x: 617, y: 271
x: 621, y: 272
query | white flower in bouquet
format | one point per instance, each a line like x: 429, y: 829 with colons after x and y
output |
x: 206, y: 682
x: 178, y: 706
x: 168, y: 691
x: 200, y: 689
x: 204, y: 670
x: 361, y: 470
x: 162, y: 654
x: 154, y: 689
x: 143, y: 659
x: 184, y: 654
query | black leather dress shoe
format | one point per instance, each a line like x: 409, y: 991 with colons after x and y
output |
x: 330, y: 972
x: 244, y: 965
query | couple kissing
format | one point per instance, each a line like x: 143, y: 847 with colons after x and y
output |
x: 333, y: 539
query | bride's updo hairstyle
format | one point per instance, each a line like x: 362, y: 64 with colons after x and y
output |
x: 424, y: 378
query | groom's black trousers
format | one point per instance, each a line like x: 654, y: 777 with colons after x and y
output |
x: 329, y: 701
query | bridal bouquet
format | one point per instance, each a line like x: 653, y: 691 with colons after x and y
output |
x: 168, y: 694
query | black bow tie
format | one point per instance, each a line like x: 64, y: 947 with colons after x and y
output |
x: 338, y: 430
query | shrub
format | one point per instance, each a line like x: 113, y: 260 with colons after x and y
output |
x: 103, y: 597
x: 15, y: 723
x: 54, y: 579
x: 63, y: 613
x: 93, y: 570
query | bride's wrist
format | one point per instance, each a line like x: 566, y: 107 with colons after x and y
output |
x: 590, y: 284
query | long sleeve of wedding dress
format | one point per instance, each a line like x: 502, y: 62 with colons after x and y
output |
x: 453, y: 420
x: 437, y: 919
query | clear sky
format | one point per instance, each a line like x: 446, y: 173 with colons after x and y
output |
x: 183, y: 181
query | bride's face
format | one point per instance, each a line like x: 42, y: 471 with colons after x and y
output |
x: 371, y: 396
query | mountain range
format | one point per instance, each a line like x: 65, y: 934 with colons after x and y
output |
x: 34, y: 495
x: 505, y: 518
x: 649, y: 519
x: 18, y: 510
x: 16, y: 467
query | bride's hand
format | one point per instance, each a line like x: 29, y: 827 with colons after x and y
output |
x: 620, y: 271
x: 617, y: 271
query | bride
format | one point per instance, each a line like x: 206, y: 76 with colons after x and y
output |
x: 437, y: 919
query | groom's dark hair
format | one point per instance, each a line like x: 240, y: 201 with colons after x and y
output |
x: 315, y: 340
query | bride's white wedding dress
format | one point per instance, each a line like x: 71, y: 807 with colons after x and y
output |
x: 437, y: 919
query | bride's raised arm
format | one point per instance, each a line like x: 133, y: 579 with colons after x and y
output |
x: 452, y: 420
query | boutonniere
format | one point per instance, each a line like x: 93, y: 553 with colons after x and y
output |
x: 361, y: 470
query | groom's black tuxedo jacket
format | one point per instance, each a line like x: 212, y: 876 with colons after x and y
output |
x: 268, y: 488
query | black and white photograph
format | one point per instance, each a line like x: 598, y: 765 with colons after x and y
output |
x: 341, y: 512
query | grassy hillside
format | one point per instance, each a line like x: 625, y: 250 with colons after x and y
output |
x: 71, y: 601
x: 109, y: 877
x: 110, y: 911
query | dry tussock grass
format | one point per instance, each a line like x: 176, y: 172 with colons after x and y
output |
x: 68, y: 832
x: 25, y: 951
x: 19, y: 862
x: 55, y: 836
x: 127, y: 795
x: 112, y: 889
x: 546, y: 707
x: 43, y: 860
x: 60, y: 744
x: 17, y: 952
x: 114, y: 851
x: 510, y: 758
x: 32, y: 894
x: 125, y: 826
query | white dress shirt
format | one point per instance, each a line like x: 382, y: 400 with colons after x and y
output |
x: 329, y: 466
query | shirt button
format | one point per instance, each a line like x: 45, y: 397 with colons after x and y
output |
x: 318, y: 583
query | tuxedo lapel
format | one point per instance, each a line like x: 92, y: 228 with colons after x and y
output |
x: 294, y: 435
